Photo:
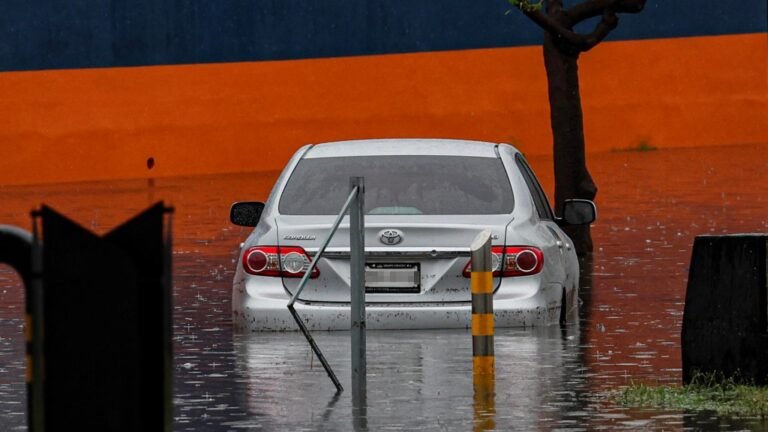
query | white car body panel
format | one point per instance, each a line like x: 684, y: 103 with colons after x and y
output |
x: 438, y: 243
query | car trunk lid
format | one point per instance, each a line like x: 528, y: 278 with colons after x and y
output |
x: 408, y: 258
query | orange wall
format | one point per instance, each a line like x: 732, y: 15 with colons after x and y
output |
x: 86, y: 124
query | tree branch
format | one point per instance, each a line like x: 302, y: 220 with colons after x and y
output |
x: 551, y: 25
x: 560, y: 23
x: 593, y: 8
x: 609, y: 22
x: 578, y: 41
x: 554, y: 7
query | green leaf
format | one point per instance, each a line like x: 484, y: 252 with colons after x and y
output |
x: 527, y: 5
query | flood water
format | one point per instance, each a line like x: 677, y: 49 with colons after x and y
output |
x: 651, y: 206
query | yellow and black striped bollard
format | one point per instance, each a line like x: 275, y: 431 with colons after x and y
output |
x: 483, y: 358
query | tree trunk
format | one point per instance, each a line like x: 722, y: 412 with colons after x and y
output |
x: 572, y: 179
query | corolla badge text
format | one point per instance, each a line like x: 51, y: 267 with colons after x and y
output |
x: 299, y: 237
x: 390, y: 236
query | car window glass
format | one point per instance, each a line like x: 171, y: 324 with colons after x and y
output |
x: 539, y: 197
x: 400, y: 185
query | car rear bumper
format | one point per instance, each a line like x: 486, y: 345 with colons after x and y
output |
x: 269, y: 312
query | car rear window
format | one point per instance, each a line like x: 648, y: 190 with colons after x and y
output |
x: 434, y: 185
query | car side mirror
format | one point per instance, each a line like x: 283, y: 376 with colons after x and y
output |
x: 579, y: 212
x: 246, y: 213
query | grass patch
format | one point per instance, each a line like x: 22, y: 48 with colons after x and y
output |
x: 707, y: 392
x: 645, y: 146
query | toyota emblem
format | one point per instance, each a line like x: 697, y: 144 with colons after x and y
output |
x: 391, y: 237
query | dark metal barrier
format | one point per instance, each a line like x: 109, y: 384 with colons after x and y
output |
x: 99, y: 322
x: 725, y: 324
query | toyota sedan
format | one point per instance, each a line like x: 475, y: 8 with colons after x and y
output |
x: 425, y: 202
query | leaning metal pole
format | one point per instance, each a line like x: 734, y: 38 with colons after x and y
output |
x: 357, y: 286
x: 303, y: 283
x: 354, y: 204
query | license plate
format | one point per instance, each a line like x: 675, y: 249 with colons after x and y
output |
x: 397, y: 278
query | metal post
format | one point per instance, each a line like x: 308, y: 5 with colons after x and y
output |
x: 483, y: 359
x: 35, y: 296
x: 357, y: 285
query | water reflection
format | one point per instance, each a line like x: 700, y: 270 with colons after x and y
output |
x: 417, y: 379
x: 651, y: 206
x: 484, y: 394
x: 360, y: 412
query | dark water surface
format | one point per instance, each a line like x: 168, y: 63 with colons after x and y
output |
x: 652, y: 205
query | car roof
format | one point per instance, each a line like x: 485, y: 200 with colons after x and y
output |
x: 402, y: 147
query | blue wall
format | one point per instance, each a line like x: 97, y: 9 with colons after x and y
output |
x: 53, y: 34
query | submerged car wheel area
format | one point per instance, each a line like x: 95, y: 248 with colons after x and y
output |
x: 425, y: 201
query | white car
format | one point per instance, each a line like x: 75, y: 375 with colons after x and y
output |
x: 425, y: 202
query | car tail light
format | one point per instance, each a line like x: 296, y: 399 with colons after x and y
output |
x: 285, y: 261
x: 513, y: 261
